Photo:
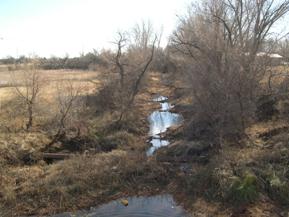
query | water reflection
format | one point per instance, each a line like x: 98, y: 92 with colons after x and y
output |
x: 166, y: 106
x: 160, y: 98
x: 155, y: 206
x: 160, y: 121
x: 156, y: 143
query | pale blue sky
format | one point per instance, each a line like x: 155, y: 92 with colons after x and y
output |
x: 57, y: 27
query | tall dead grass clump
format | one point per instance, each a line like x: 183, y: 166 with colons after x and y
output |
x: 87, y: 180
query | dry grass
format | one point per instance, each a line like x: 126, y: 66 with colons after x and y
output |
x: 15, y: 148
x: 79, y: 182
x: 280, y: 73
x: 91, y: 80
x: 87, y: 180
x: 83, y: 180
x: 13, y: 111
x: 254, y: 154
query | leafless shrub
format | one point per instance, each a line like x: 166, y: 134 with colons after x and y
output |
x: 134, y: 54
x: 68, y: 106
x: 219, y: 41
x: 28, y: 86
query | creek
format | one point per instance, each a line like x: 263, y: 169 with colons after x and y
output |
x: 153, y: 206
x: 145, y: 206
x: 160, y: 120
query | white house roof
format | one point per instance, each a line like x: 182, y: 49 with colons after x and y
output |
x: 275, y: 55
x: 271, y: 55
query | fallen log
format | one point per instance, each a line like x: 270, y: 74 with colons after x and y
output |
x: 56, y: 156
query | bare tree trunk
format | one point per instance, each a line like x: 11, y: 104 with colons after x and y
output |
x: 67, y: 96
x: 31, y: 80
x: 131, y: 76
x: 141, y: 75
x: 30, y: 116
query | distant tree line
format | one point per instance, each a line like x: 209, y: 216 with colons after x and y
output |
x: 90, y: 61
x: 84, y: 62
x: 12, y: 60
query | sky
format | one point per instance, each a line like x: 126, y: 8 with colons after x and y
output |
x: 59, y: 27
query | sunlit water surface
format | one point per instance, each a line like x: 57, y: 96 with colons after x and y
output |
x: 160, y: 121
x: 154, y: 206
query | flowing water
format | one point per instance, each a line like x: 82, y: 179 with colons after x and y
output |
x: 160, y: 121
x: 154, y: 206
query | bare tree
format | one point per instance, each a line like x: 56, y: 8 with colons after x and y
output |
x: 133, y: 57
x: 219, y: 41
x: 283, y: 47
x: 28, y: 84
x: 121, y: 42
x: 67, y: 96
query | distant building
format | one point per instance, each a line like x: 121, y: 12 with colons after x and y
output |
x: 270, y: 55
x: 274, y: 58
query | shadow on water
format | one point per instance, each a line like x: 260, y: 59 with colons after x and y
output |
x: 160, y: 121
x: 154, y: 206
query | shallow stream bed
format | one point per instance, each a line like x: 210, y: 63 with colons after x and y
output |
x: 160, y: 120
x: 153, y: 206
x: 144, y: 206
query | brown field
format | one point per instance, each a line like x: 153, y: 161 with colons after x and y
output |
x: 91, y: 179
x: 87, y: 80
x: 53, y: 83
x: 48, y: 182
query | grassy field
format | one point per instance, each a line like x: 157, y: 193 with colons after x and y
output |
x: 89, y: 177
x: 108, y: 162
x: 53, y: 84
x: 88, y: 80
